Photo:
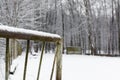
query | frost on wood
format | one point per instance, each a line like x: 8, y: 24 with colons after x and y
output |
x: 11, y: 32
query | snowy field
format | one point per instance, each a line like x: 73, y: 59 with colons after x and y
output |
x: 75, y: 67
x: 2, y: 66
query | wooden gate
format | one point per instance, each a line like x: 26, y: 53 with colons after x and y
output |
x: 18, y: 33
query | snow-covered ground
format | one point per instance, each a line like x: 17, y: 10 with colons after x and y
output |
x: 75, y: 67
x: 2, y: 69
x: 32, y: 68
x: 79, y: 67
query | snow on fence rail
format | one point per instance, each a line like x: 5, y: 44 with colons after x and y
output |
x: 11, y: 32
x: 18, y: 33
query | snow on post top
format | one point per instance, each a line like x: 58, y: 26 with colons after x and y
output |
x: 19, y: 33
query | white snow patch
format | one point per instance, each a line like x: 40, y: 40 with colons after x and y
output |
x: 14, y: 65
x: 2, y: 69
x: 75, y: 67
x: 78, y: 67
x: 32, y: 68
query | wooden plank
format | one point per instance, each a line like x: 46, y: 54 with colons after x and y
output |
x: 7, y: 59
x: 41, y: 57
x: 26, y: 60
x: 53, y: 66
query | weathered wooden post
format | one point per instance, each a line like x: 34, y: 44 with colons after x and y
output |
x: 26, y: 60
x: 7, y: 59
x: 41, y: 57
x: 59, y: 61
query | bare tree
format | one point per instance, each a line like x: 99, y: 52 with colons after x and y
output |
x: 89, y: 24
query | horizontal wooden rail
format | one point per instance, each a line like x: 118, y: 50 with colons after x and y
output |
x: 18, y: 33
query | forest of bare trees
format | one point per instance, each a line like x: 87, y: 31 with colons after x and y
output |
x: 90, y: 24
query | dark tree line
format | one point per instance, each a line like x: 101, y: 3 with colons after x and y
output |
x: 93, y: 25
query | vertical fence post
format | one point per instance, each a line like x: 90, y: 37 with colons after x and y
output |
x: 41, y: 57
x: 59, y: 61
x: 26, y: 60
x: 7, y: 59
